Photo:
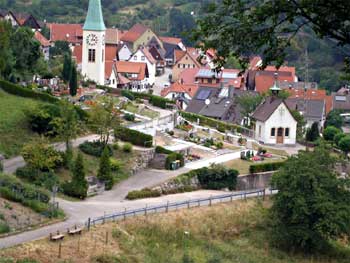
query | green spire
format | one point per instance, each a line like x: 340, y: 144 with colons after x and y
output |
x: 94, y: 18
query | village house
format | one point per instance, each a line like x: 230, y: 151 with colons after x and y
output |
x: 185, y: 60
x: 44, y: 44
x: 341, y: 99
x: 140, y: 35
x: 144, y: 56
x: 21, y: 19
x: 124, y: 52
x: 160, y: 62
x: 274, y: 122
x: 170, y: 45
x: 181, y: 93
x: 132, y: 75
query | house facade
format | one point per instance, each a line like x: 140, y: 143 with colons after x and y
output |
x: 142, y: 55
x: 185, y: 60
x: 275, y: 124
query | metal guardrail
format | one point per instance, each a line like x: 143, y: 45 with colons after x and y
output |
x: 174, y: 206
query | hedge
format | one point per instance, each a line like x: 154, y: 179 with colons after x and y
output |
x: 172, y: 157
x: 153, y: 99
x: 144, y: 193
x: 134, y: 137
x: 26, y: 92
x: 220, y: 125
x: 265, y: 167
x: 95, y: 148
x: 160, y: 149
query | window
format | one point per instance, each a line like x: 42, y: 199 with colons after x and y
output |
x: 92, y: 55
x: 259, y: 130
x: 286, y: 132
x: 135, y: 57
x: 113, y: 81
x: 143, y: 58
x: 103, y: 54
x: 273, y: 132
x: 178, y: 65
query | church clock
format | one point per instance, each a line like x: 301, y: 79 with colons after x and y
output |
x: 92, y: 40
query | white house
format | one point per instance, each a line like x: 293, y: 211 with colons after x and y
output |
x: 275, y: 123
x: 142, y: 55
x: 124, y: 52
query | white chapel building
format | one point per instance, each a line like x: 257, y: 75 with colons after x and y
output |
x: 275, y: 123
x: 94, y: 46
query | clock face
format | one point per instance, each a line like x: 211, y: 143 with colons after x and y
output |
x: 91, y: 40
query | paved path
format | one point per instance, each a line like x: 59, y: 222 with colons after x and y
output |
x: 160, y: 81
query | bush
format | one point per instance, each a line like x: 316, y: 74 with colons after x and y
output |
x: 338, y: 137
x: 26, y: 92
x: 265, y: 167
x: 144, y: 193
x: 134, y: 137
x: 129, y: 117
x: 172, y: 157
x: 160, y: 149
x: 154, y: 100
x: 105, y: 259
x: 330, y: 132
x: 27, y: 173
x: 105, y: 171
x: 116, y: 165
x: 217, y: 177
x: 41, y: 119
x: 128, y: 94
x: 95, y: 148
x: 116, y: 146
x: 127, y: 148
x: 36, y: 206
x: 4, y: 228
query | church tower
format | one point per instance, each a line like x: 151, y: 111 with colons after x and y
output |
x: 93, y: 62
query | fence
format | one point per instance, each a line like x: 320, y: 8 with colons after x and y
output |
x: 174, y: 206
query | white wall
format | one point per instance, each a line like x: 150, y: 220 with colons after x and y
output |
x: 113, y: 81
x: 124, y: 53
x: 281, y: 118
x: 152, y: 67
x: 94, y: 71
x: 172, y: 95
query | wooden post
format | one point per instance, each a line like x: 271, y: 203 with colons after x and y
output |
x: 264, y: 193
x: 89, y: 224
x: 210, y: 201
x: 146, y: 210
x: 107, y: 237
x: 124, y: 213
x: 188, y: 204
x: 104, y: 217
x: 167, y: 207
x: 59, y: 249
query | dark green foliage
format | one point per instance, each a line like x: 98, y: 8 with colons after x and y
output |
x: 153, y: 99
x: 313, y: 133
x: 34, y: 176
x: 4, y: 228
x: 105, y: 172
x: 95, y: 148
x: 41, y: 119
x: 129, y: 117
x: 172, y: 157
x: 217, y: 177
x: 344, y: 144
x: 330, y: 132
x: 334, y: 119
x: 144, y: 193
x: 265, y: 167
x: 73, y: 81
x: 187, y: 259
x: 134, y: 137
x: 128, y: 94
x: 127, y: 148
x: 27, y: 260
x: 67, y: 67
x: 180, y: 24
x: 26, y: 92
x: 160, y: 149
x: 78, y: 186
x: 312, y: 205
x: 338, y: 137
x: 60, y: 48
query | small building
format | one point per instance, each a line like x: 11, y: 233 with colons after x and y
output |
x: 275, y: 123
x: 170, y: 45
x: 181, y: 93
x: 132, y: 75
x: 185, y: 60
x: 44, y: 44
x: 142, y: 55
x: 341, y: 99
x: 124, y: 52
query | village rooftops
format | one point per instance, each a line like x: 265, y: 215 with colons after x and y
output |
x: 72, y: 33
x: 267, y: 108
x: 43, y: 41
x: 134, y: 33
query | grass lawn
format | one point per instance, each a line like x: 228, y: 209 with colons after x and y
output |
x: 242, y: 166
x: 14, y: 131
x: 130, y: 107
x: 226, y: 233
x: 271, y: 150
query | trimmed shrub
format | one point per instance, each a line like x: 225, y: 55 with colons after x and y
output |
x: 4, y: 228
x: 95, y: 148
x: 127, y: 148
x: 116, y: 165
x: 128, y: 94
x: 27, y: 173
x: 144, y: 193
x: 36, y: 206
x: 330, y: 132
x: 129, y: 117
x: 26, y: 92
x: 172, y: 157
x: 160, y: 149
x: 265, y: 167
x: 116, y: 146
x: 217, y: 177
x: 153, y: 99
x: 134, y: 137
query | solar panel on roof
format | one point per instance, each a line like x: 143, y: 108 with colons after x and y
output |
x: 203, y: 94
x: 340, y: 98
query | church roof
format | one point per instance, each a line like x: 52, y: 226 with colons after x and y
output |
x: 94, y: 18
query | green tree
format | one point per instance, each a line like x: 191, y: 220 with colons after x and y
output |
x: 344, y: 144
x: 6, y: 58
x: 334, y: 119
x: 67, y: 67
x: 338, y: 137
x: 330, y: 132
x: 267, y: 27
x: 78, y: 186
x: 73, y: 82
x: 312, y: 205
x: 300, y: 123
x: 313, y: 133
x: 248, y: 103
x: 41, y: 156
x: 103, y: 119
x: 105, y: 171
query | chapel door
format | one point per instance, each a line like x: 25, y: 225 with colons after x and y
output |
x: 280, y: 137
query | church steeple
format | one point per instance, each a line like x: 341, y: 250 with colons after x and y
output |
x: 94, y: 19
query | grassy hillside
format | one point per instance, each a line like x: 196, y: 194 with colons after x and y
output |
x: 14, y: 130
x: 224, y: 233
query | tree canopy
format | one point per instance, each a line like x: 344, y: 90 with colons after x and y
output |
x: 267, y: 27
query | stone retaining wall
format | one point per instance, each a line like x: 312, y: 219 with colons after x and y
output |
x: 254, y: 181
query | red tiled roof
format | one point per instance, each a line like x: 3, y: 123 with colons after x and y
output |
x: 112, y: 36
x: 194, y: 54
x: 78, y: 54
x: 73, y: 33
x: 134, y: 33
x: 123, y: 80
x: 282, y: 69
x: 111, y: 52
x: 133, y: 68
x: 179, y: 54
x: 188, y: 76
x: 43, y: 41
x: 171, y: 40
x: 263, y: 82
x: 312, y: 94
x: 190, y: 89
x: 108, y: 68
